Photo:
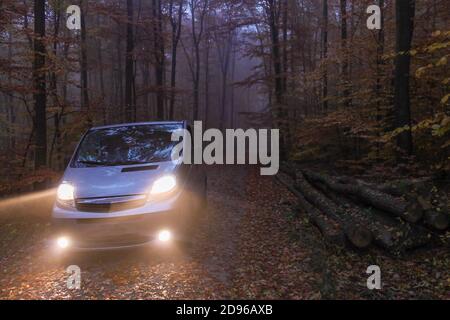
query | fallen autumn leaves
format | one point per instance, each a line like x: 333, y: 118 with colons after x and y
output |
x: 252, y: 245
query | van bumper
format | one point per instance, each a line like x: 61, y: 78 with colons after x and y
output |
x: 119, y: 232
x: 115, y: 230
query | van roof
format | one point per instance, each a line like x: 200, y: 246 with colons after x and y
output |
x: 138, y: 124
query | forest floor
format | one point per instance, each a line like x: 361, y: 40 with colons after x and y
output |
x: 251, y: 245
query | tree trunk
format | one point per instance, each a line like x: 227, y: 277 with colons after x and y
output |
x: 345, y: 70
x: 54, y: 83
x: 196, y: 39
x: 285, y: 44
x: 39, y: 96
x: 276, y: 58
x: 60, y: 156
x: 129, y: 66
x: 11, y: 110
x: 176, y: 33
x: 277, y: 69
x: 101, y: 74
x: 224, y: 48
x: 159, y: 58
x: 84, y: 64
x: 325, y: 55
x: 146, y: 82
x: 206, y: 80
x: 405, y: 11
x: 195, y: 106
x: 378, y: 86
x: 232, y: 98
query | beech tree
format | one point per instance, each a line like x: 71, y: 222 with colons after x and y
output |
x: 198, y: 9
x: 39, y: 79
x: 176, y: 11
x: 296, y: 65
x: 404, y: 12
x: 325, y: 54
x: 129, y: 65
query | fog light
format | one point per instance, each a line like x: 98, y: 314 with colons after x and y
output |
x: 164, y: 236
x: 63, y: 242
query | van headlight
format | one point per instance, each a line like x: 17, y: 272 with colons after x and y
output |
x: 164, y: 184
x: 65, y: 193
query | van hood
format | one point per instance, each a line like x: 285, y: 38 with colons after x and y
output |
x: 93, y: 182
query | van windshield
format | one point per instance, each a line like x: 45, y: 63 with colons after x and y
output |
x: 127, y: 145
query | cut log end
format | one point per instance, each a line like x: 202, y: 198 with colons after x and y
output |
x: 413, y: 213
x: 360, y: 237
x: 438, y: 220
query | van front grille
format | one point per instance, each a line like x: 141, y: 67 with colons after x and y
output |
x: 116, y: 241
x: 110, y: 204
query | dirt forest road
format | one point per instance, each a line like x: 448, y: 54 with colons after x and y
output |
x: 251, y: 245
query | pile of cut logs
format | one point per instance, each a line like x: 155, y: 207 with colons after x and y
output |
x: 394, y: 216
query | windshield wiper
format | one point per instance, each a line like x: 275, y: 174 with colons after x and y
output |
x: 94, y: 163
x: 112, y: 163
x: 126, y: 163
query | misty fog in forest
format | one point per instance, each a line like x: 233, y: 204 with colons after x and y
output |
x: 337, y: 90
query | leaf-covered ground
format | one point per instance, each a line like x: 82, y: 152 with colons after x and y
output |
x: 250, y: 245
